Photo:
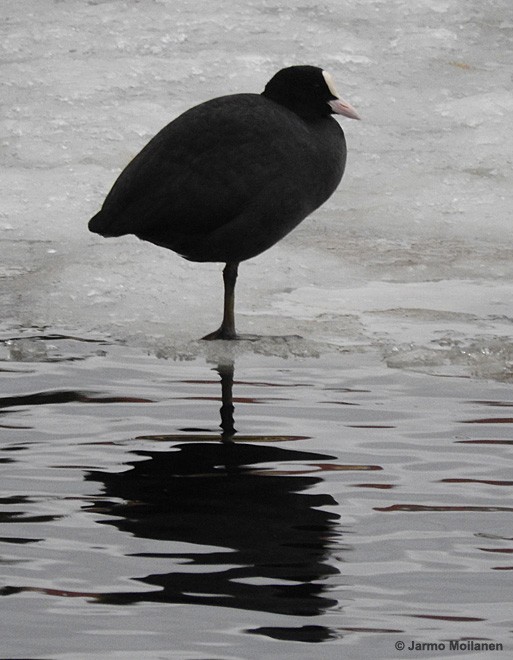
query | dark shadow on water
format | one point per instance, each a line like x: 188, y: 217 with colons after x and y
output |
x: 257, y: 539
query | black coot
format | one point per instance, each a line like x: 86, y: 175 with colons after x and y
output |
x: 230, y: 177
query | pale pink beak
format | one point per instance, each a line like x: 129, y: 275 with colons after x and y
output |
x: 341, y: 107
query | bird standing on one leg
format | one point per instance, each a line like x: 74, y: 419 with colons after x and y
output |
x: 229, y: 178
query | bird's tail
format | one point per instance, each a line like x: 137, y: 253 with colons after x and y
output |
x: 104, y: 225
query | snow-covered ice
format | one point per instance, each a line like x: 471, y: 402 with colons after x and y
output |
x: 412, y: 256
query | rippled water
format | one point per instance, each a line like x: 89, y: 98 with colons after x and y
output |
x: 354, y: 506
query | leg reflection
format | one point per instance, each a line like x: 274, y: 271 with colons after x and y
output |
x: 226, y: 372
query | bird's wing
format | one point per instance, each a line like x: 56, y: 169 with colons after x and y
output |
x: 203, y: 169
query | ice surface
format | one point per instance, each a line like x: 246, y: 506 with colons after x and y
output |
x: 411, y: 257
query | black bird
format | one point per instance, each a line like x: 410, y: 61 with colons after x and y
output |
x: 232, y: 176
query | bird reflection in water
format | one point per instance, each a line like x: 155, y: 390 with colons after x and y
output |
x: 268, y: 538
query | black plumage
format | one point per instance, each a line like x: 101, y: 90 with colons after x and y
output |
x: 232, y: 176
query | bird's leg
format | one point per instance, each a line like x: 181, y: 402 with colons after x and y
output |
x: 227, y: 329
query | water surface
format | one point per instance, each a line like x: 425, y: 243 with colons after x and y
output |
x: 342, y: 507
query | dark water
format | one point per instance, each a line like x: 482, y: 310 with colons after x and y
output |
x: 323, y: 507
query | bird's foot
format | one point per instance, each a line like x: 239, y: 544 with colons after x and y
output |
x: 221, y: 333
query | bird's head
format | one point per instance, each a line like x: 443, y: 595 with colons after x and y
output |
x: 309, y: 91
